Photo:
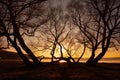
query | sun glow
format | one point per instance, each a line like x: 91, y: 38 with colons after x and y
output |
x: 62, y: 61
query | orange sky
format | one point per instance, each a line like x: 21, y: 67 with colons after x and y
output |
x: 111, y: 53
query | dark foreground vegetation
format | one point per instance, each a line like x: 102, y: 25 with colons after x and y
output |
x: 17, y: 70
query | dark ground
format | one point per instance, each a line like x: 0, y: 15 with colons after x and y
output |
x: 16, y: 70
x: 11, y: 68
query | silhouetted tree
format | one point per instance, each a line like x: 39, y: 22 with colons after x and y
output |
x: 56, y: 31
x: 99, y: 22
x: 109, y: 13
x: 80, y: 19
x: 12, y: 16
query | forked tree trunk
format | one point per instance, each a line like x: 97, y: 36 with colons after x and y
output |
x: 104, y: 49
x: 22, y: 43
x: 20, y: 53
x: 100, y: 56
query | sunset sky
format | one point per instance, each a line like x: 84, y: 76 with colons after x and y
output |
x: 60, y: 39
x: 111, y: 53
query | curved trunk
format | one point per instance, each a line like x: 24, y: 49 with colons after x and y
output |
x: 61, y: 52
x: 20, y: 39
x: 104, y: 49
x: 22, y: 43
x: 82, y: 54
x: 100, y: 56
x: 53, y: 52
x: 24, y: 46
x: 89, y: 61
x: 20, y: 53
x: 27, y: 50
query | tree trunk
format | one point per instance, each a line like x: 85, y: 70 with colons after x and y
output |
x: 53, y: 51
x: 22, y: 43
x: 20, y: 53
x: 89, y: 61
x: 27, y: 50
x: 104, y: 49
x: 82, y: 53
x: 100, y: 56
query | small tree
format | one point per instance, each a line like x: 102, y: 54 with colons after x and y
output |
x: 81, y: 19
x: 56, y: 31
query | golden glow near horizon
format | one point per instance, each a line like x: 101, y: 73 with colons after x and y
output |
x: 112, y: 56
x: 62, y: 61
x: 111, y: 53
